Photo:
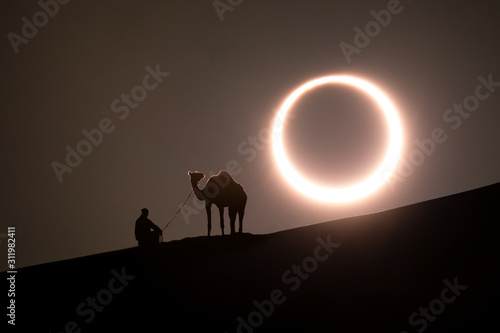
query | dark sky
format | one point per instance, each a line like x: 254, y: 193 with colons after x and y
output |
x: 226, y: 80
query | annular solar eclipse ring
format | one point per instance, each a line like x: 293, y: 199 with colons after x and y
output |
x: 360, y: 189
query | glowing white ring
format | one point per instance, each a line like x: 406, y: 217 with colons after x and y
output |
x: 368, y: 185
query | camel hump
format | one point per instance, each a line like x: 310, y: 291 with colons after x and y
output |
x: 222, y: 179
x: 224, y: 175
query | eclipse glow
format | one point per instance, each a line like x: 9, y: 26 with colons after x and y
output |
x: 358, y: 190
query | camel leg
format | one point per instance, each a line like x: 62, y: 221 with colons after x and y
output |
x: 241, y: 213
x: 208, y: 207
x: 221, y: 213
x: 232, y: 218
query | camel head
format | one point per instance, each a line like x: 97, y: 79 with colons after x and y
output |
x: 196, y: 177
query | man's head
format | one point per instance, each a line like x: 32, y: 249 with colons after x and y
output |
x: 145, y: 211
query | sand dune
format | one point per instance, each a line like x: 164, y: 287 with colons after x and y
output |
x: 431, y: 266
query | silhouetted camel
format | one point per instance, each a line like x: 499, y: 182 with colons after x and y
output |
x: 222, y: 191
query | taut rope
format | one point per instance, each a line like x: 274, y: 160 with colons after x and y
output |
x: 173, y: 217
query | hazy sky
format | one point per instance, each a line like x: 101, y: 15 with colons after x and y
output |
x: 174, y: 86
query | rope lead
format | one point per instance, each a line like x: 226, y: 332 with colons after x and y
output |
x: 173, y: 217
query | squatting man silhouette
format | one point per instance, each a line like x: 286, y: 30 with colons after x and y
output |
x: 147, y: 233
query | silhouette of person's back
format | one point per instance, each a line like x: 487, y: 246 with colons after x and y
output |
x: 147, y: 233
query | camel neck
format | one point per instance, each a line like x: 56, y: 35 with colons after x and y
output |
x: 197, y: 191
